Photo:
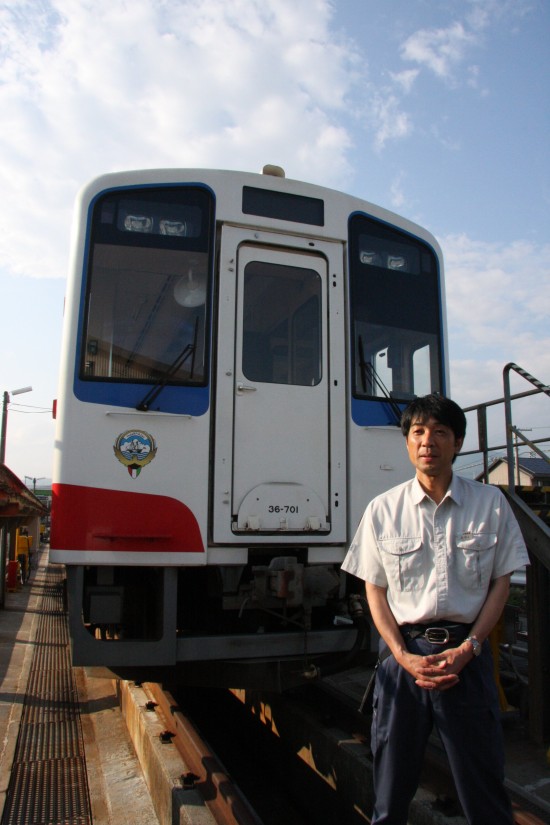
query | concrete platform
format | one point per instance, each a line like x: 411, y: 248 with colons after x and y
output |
x: 118, y: 792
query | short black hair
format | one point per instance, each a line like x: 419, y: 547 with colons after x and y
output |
x: 436, y: 406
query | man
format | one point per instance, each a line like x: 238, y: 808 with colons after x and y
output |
x: 436, y: 554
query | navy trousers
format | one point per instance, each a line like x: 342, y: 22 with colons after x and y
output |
x: 467, y: 718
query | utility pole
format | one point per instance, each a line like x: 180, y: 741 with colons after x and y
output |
x: 5, y: 402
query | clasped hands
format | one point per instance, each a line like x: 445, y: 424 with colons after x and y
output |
x: 437, y: 671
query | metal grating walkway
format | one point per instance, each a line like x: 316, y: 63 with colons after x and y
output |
x: 48, y: 783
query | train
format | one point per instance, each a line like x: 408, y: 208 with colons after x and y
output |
x: 237, y: 350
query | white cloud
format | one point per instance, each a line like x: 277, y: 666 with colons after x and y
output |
x: 387, y: 119
x: 405, y: 79
x: 444, y: 50
x: 90, y: 87
x: 397, y: 194
x: 483, y: 13
x: 498, y: 306
x: 439, y: 50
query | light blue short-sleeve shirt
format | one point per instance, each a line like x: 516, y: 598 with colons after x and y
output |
x: 436, y: 560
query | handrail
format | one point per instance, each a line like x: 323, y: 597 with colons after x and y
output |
x: 510, y: 429
x: 537, y: 529
x: 481, y: 409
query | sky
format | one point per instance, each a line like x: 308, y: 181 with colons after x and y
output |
x: 436, y: 109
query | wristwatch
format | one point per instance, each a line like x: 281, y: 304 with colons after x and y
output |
x: 476, y: 647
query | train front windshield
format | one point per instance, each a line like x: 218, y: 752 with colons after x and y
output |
x: 147, y: 288
x: 395, y: 308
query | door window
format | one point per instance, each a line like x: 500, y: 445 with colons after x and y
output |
x: 281, y: 324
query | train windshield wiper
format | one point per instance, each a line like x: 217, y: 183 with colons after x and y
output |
x: 369, y: 374
x: 187, y: 352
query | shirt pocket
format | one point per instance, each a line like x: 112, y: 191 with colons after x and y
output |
x: 404, y: 562
x: 475, y: 554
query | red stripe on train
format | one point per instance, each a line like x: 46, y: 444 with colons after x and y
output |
x: 88, y: 518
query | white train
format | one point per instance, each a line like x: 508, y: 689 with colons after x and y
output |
x: 237, y: 349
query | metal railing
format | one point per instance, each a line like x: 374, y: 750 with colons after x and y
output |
x: 540, y: 535
x: 536, y: 533
x: 512, y: 431
x: 482, y: 429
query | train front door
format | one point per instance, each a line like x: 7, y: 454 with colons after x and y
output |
x: 274, y: 448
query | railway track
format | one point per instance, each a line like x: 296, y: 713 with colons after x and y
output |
x: 269, y: 760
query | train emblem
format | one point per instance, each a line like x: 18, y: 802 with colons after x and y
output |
x: 135, y: 449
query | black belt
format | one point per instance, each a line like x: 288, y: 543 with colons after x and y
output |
x: 438, y: 633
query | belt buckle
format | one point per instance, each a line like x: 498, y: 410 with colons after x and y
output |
x: 437, y: 635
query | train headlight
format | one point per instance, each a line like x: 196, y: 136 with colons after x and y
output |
x: 178, y: 228
x: 138, y: 223
x: 370, y: 258
x: 396, y: 262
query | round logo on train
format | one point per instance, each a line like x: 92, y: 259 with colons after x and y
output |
x: 135, y: 449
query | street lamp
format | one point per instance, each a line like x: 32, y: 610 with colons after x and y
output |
x: 33, y: 481
x: 5, y: 420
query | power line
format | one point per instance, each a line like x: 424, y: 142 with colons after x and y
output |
x: 16, y: 408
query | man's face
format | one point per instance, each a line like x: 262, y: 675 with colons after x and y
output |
x: 432, y: 447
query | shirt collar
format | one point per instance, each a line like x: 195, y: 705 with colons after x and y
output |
x: 418, y: 493
x: 454, y: 491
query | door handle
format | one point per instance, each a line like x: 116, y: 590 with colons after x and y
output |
x: 245, y: 387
